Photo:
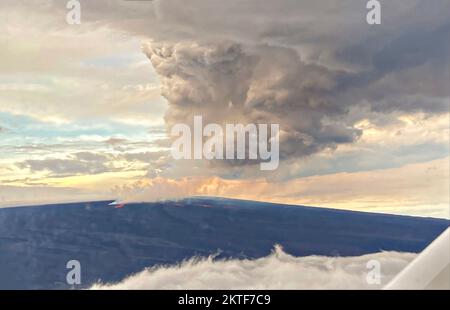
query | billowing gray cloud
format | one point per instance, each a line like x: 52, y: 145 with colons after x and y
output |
x: 309, y: 75
x: 228, y: 83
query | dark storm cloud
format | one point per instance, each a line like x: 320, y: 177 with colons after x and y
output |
x: 309, y: 92
x: 310, y: 101
x: 410, y: 50
x: 413, y: 49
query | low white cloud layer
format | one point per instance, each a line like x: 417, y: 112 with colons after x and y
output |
x: 279, y: 270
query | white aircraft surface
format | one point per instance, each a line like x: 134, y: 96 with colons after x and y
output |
x: 429, y: 270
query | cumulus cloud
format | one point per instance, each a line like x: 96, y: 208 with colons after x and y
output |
x: 261, y: 85
x: 276, y: 271
x: 317, y: 99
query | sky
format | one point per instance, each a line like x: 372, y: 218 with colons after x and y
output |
x: 363, y: 109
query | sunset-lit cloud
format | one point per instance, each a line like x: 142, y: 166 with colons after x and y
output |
x: 420, y: 189
x: 363, y: 111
